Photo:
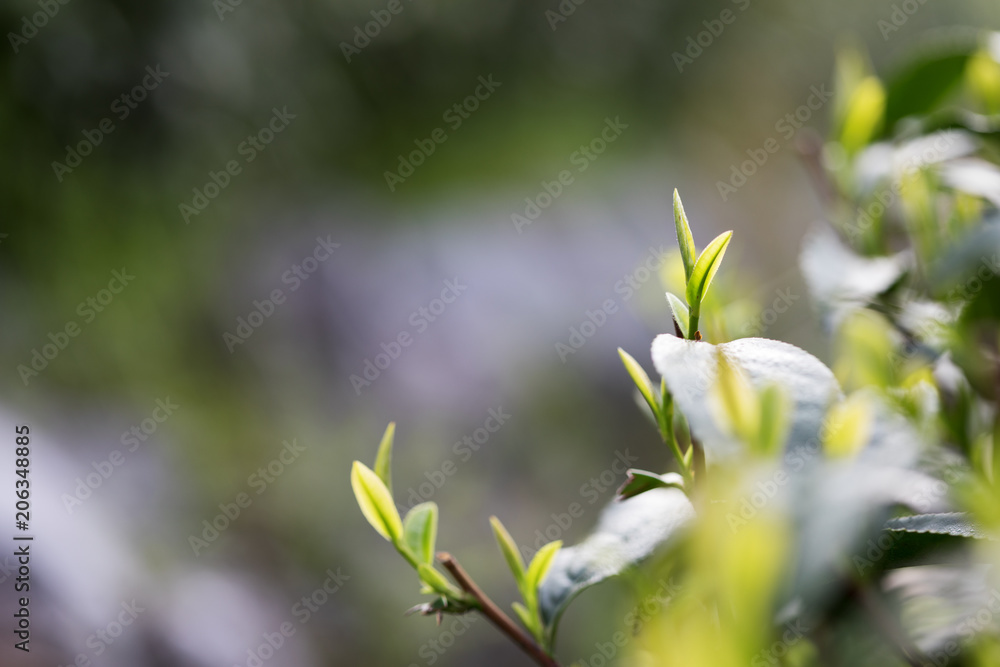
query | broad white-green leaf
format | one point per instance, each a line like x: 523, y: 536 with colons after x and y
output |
x: 680, y: 312
x: 383, y: 460
x: 956, y: 524
x: 627, y: 533
x: 839, y: 279
x: 641, y: 481
x: 509, y: 550
x: 685, y: 240
x: 420, y: 531
x: 705, y: 269
x: 376, y: 502
x: 690, y: 369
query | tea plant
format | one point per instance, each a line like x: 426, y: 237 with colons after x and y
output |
x: 816, y: 515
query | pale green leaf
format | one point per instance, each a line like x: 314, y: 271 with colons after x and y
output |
x: 774, y: 407
x: 383, y: 460
x: 509, y: 550
x: 420, y: 531
x: 680, y: 312
x: 526, y: 617
x: 641, y: 380
x: 705, y: 269
x: 435, y: 580
x: 684, y: 238
x: 540, y: 565
x: 376, y: 502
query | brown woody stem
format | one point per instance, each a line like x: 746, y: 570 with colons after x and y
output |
x: 495, y: 614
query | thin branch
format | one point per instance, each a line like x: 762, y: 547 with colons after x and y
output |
x: 495, y: 614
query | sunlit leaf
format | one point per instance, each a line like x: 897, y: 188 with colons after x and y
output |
x: 420, y: 531
x: 685, y: 240
x: 690, y: 370
x: 641, y: 380
x: 680, y: 312
x: 376, y: 502
x: 509, y: 550
x: 705, y: 269
x: 383, y: 460
x: 864, y: 115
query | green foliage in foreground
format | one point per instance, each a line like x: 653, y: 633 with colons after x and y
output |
x: 857, y: 505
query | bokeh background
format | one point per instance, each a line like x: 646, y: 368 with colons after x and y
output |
x: 125, y: 536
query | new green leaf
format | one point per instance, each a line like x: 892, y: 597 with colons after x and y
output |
x: 420, y: 531
x: 383, y: 460
x: 509, y: 550
x: 705, y: 269
x: 540, y: 565
x: 435, y: 580
x: 641, y: 380
x: 526, y: 617
x: 376, y: 502
x: 680, y: 312
x: 684, y: 238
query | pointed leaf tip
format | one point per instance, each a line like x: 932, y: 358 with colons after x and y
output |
x: 508, y: 547
x: 684, y: 238
x: 682, y: 315
x: 383, y: 460
x: 705, y: 269
x: 641, y: 380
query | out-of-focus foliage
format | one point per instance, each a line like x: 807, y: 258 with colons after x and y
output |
x: 849, y: 513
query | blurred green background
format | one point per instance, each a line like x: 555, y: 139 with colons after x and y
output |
x: 686, y: 114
